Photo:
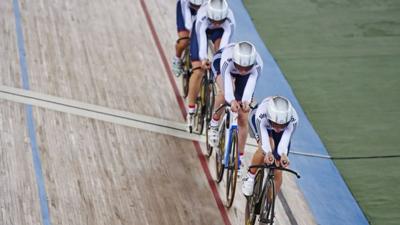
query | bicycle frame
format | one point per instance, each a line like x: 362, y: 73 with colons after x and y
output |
x: 232, y: 117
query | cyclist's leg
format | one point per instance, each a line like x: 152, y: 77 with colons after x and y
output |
x: 243, y: 129
x: 219, y: 97
x: 215, y: 36
x: 197, y: 72
x: 181, y: 43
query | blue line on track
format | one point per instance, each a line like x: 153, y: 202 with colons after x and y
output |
x: 325, y: 190
x: 30, y: 122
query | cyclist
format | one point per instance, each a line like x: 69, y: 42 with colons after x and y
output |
x: 272, y: 124
x: 214, y: 22
x: 240, y: 66
x: 186, y: 11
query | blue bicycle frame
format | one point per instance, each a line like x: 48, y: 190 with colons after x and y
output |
x: 229, y: 133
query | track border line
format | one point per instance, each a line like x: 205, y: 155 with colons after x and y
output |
x: 44, y: 208
x: 180, y: 101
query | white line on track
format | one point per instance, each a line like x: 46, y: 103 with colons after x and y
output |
x: 139, y: 121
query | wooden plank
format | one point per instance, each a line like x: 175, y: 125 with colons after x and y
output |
x: 101, y: 173
x: 19, y: 201
x: 9, y: 67
x: 98, y: 52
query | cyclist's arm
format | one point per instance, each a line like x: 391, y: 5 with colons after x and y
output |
x: 227, y: 36
x: 228, y: 84
x: 188, y: 18
x: 283, y: 146
x: 250, y: 86
x: 202, y: 37
x: 266, y: 146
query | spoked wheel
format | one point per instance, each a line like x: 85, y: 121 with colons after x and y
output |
x: 209, y: 147
x: 253, y: 202
x: 209, y: 110
x: 231, y: 177
x: 187, y: 68
x: 268, y: 206
x: 185, y: 83
x: 219, y: 156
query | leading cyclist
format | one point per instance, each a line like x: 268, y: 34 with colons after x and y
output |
x: 272, y: 124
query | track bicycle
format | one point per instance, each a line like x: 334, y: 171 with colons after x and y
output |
x: 227, y: 153
x: 262, y: 202
x: 205, y: 101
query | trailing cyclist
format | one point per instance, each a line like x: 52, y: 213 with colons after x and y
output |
x: 186, y: 11
x: 272, y: 124
x: 214, y: 22
x: 240, y: 66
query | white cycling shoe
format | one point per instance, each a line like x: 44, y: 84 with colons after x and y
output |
x: 177, y: 66
x: 248, y: 185
x: 213, y: 136
x: 190, y: 122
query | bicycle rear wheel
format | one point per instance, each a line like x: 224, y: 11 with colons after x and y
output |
x: 187, y: 67
x: 253, y: 202
x: 231, y: 177
x: 267, y: 212
x: 219, y: 156
x: 201, y: 108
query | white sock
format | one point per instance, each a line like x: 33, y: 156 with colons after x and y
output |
x: 250, y: 175
x: 214, y: 123
x: 191, y: 110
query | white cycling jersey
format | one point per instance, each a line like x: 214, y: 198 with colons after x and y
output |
x: 187, y: 15
x: 228, y: 70
x: 202, y: 24
x: 264, y: 125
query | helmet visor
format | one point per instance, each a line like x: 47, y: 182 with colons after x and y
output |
x: 278, y: 127
x: 243, y: 69
x: 193, y: 6
x: 216, y: 22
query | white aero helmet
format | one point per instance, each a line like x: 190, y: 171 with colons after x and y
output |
x: 217, y: 9
x: 244, y: 54
x: 279, y: 110
x: 196, y: 2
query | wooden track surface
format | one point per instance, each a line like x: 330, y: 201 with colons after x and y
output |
x: 102, y: 52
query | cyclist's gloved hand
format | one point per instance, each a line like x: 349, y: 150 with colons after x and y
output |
x: 246, y: 106
x: 235, y: 106
x: 205, y: 64
x: 269, y: 158
x: 284, y: 160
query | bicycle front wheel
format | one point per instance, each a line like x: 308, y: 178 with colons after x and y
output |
x: 267, y: 212
x: 210, y: 93
x: 231, y: 177
x: 220, y: 153
x: 253, y: 202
